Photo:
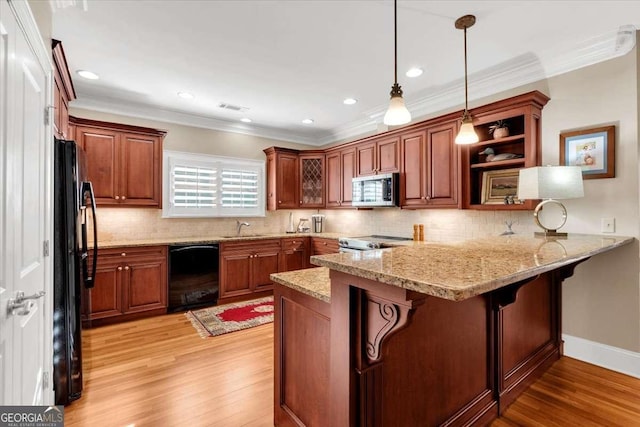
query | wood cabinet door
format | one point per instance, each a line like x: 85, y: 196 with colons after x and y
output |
x: 105, y: 298
x: 442, y: 155
x: 348, y: 164
x: 413, y: 176
x: 264, y: 262
x: 311, y: 181
x: 334, y: 179
x: 295, y: 254
x: 146, y: 284
x: 287, y: 181
x: 102, y: 151
x: 235, y: 273
x: 366, y: 163
x: 141, y: 175
x: 388, y: 155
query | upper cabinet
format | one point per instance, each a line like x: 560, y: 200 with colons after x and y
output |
x: 124, y: 163
x: 341, y: 167
x: 282, y: 178
x: 519, y: 148
x: 312, y: 177
x: 379, y: 155
x: 429, y: 167
x: 434, y: 171
x: 63, y: 92
x: 294, y: 180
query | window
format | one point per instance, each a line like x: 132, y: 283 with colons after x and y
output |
x: 199, y: 185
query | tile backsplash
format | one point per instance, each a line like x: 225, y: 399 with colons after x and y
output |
x: 440, y: 224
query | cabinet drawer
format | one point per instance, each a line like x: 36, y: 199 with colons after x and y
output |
x: 250, y: 245
x: 125, y: 253
x: 324, y: 246
x: 295, y: 243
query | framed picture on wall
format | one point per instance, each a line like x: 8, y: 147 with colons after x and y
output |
x: 591, y: 149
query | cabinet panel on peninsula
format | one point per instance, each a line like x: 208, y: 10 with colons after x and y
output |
x: 124, y: 163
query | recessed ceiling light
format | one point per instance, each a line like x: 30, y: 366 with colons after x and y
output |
x: 88, y: 74
x: 246, y: 120
x: 414, y: 72
x: 185, y: 95
x: 307, y: 121
x: 349, y: 101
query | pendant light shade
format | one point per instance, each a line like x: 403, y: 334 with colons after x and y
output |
x: 397, y: 114
x: 467, y: 134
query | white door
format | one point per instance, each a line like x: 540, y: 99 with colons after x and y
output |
x: 24, y: 181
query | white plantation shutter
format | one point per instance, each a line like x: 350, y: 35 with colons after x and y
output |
x: 212, y: 186
x: 194, y: 187
x: 239, y: 188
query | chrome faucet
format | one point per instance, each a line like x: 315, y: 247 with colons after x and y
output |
x: 239, y: 225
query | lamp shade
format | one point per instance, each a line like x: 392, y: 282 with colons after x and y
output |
x: 397, y: 114
x: 550, y: 182
x: 467, y: 134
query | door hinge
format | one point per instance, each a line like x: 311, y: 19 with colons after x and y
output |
x: 45, y: 380
x: 47, y: 113
x: 45, y: 248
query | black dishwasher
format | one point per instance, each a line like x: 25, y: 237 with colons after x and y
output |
x: 193, y: 276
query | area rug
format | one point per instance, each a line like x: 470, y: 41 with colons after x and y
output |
x: 223, y: 319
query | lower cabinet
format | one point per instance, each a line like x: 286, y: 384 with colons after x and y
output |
x: 295, y: 254
x: 129, y: 282
x: 245, y: 267
x: 324, y: 246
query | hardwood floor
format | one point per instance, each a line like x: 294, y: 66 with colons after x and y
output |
x: 159, y: 372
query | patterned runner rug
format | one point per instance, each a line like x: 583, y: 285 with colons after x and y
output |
x: 222, y: 319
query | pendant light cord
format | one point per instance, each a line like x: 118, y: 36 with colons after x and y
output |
x: 466, y: 96
x: 395, y: 41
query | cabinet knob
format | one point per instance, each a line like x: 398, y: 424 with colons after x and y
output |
x: 428, y: 197
x: 123, y: 254
x: 117, y: 197
x: 119, y: 268
x: 300, y: 201
x: 123, y: 197
x: 279, y: 201
x: 126, y: 267
x: 324, y: 243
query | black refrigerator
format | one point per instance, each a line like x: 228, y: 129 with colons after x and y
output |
x: 73, y: 201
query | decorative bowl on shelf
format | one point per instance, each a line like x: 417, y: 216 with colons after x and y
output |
x: 500, y: 129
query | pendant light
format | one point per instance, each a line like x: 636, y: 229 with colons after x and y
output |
x: 467, y: 134
x: 397, y: 114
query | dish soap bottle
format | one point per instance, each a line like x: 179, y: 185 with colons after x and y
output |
x: 291, y: 228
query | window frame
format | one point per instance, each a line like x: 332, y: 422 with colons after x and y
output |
x: 178, y: 158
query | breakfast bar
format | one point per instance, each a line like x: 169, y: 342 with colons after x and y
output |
x: 424, y: 334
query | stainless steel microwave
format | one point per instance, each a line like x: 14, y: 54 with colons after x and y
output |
x: 375, y: 190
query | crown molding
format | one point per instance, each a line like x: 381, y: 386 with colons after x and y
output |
x: 142, y: 111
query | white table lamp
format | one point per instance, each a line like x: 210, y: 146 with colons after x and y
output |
x: 550, y: 183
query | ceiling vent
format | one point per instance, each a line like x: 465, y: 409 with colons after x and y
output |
x: 232, y: 107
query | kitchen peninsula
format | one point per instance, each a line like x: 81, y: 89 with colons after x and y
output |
x: 426, y: 334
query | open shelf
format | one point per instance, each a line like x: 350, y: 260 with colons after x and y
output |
x: 522, y: 115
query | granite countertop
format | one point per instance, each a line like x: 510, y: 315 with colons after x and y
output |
x: 205, y: 239
x: 461, y: 270
x: 311, y: 281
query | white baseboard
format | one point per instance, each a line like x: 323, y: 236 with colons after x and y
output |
x: 617, y: 359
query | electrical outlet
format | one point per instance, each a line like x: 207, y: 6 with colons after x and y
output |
x: 608, y: 225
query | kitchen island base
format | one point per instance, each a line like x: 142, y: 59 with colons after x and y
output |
x: 381, y: 355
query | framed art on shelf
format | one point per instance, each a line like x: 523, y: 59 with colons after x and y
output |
x: 591, y: 149
x: 500, y: 187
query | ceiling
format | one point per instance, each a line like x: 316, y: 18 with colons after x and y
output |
x: 289, y: 60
